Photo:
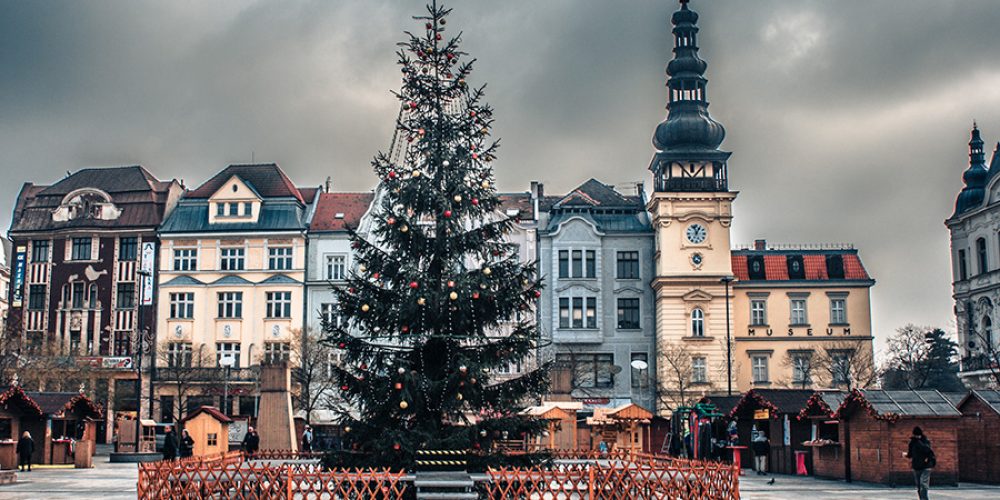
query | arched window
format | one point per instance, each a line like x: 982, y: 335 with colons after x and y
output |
x: 981, y: 254
x: 697, y: 322
x: 987, y: 332
x: 92, y: 296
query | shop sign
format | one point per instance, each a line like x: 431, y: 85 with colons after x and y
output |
x: 761, y: 414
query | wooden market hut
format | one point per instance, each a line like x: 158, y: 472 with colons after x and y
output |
x: 978, y: 445
x: 820, y: 413
x: 562, y: 429
x: 67, y: 418
x: 209, y: 428
x: 624, y: 428
x: 875, y: 431
x: 774, y: 412
x: 16, y: 408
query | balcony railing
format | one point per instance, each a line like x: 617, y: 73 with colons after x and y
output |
x: 684, y: 184
x: 978, y: 362
x: 207, y: 374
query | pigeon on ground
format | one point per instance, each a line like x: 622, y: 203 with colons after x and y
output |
x: 771, y: 481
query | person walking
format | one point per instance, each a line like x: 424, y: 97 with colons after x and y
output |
x: 307, y: 439
x: 251, y: 442
x: 922, y: 460
x: 25, y: 447
x: 186, y: 444
x: 170, y: 444
x: 761, y: 449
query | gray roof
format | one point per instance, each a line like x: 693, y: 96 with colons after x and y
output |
x: 911, y: 403
x: 183, y: 281
x: 606, y: 223
x: 279, y: 279
x: 991, y: 398
x: 232, y: 280
x: 192, y: 217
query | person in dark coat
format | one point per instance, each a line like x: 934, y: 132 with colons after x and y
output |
x: 307, y: 439
x: 922, y: 460
x: 761, y: 449
x: 25, y: 447
x: 170, y: 444
x: 186, y: 444
x: 251, y: 442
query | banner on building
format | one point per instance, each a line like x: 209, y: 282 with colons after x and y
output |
x: 147, y: 266
x: 20, y: 261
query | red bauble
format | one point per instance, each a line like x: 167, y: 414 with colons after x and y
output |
x: 413, y: 105
x: 472, y: 113
x: 352, y: 290
x: 447, y: 213
x: 451, y: 284
x: 395, y: 446
x: 363, y: 366
x: 428, y: 25
x: 399, y: 386
x: 405, y: 328
x: 475, y: 295
x: 390, y: 221
x: 421, y: 131
x: 344, y: 387
x: 414, y: 284
x: 538, y: 294
x: 475, y: 445
x: 450, y: 55
x: 392, y: 174
x: 438, y: 36
x: 375, y: 276
x: 475, y: 201
x: 341, y: 345
x: 475, y: 156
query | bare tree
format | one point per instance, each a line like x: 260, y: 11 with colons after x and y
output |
x: 317, y: 386
x: 848, y: 364
x: 907, y: 354
x: 675, y: 387
x: 187, y: 374
x: 802, y: 368
x: 988, y: 356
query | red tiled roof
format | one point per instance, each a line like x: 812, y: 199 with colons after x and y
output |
x: 776, y: 267
x: 211, y: 410
x: 267, y: 179
x: 853, y: 270
x: 740, y: 268
x: 516, y: 201
x: 352, y: 205
x: 308, y: 194
x: 815, y: 267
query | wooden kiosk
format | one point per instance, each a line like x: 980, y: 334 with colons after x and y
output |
x: 624, y: 428
x: 775, y: 412
x: 15, y: 407
x: 209, y: 428
x: 978, y: 447
x: 561, y: 418
x: 67, y: 426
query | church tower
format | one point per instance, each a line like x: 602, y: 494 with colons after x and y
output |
x: 691, y: 208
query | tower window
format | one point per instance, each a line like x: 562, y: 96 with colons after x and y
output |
x: 981, y: 255
x: 963, y: 266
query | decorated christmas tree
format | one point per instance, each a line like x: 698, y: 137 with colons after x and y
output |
x: 438, y: 301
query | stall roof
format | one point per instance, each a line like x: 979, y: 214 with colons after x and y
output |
x: 991, y: 398
x: 211, y: 411
x: 956, y: 398
x: 54, y: 403
x: 16, y: 396
x: 905, y: 403
x: 776, y: 400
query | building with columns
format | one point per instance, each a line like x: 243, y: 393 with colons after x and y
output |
x: 975, y: 257
x: 231, y: 286
x: 704, y: 343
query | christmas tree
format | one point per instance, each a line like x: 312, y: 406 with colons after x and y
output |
x: 437, y: 301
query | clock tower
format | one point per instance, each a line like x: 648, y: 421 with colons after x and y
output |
x: 691, y: 210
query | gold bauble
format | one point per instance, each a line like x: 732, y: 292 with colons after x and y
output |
x: 487, y: 271
x: 404, y: 228
x: 421, y: 301
x: 485, y: 184
x: 459, y: 397
x: 365, y: 308
x: 453, y: 295
x: 415, y: 173
x: 404, y: 405
x: 458, y: 198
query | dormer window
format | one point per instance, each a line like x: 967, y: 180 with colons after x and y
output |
x: 234, y: 209
x: 247, y: 209
x: 220, y: 209
x: 86, y: 204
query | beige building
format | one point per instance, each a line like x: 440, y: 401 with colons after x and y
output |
x: 230, y: 287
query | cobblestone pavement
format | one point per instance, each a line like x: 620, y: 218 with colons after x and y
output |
x: 753, y: 487
x: 106, y: 481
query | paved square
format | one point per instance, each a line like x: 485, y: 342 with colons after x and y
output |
x: 753, y: 487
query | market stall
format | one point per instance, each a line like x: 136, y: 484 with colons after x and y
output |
x: 820, y: 413
x: 16, y: 409
x: 775, y: 412
x: 67, y: 418
x: 978, y: 447
x: 561, y: 417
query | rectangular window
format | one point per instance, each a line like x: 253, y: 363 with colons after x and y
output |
x: 80, y: 249
x: 963, y: 266
x: 564, y: 313
x: 699, y: 370
x: 628, y: 265
x: 166, y: 409
x: 74, y: 342
x: 232, y: 259
x: 759, y: 369
x: 640, y: 378
x: 230, y: 304
x: 801, y: 369
x: 591, y: 312
x: 128, y: 249
x: 40, y: 251
x: 279, y: 304
x: 838, y: 311
x: 36, y: 297
x: 758, y: 312
x: 78, y: 289
x: 798, y: 307
x: 220, y: 209
x: 577, y: 312
x: 186, y: 259
x: 564, y: 264
x: 275, y: 352
x: 234, y: 209
x: 591, y: 264
x: 179, y: 354
x: 211, y: 439
x: 125, y: 299
x: 123, y: 343
x: 336, y: 267
x: 981, y: 253
x: 840, y: 368
x: 182, y: 305
x: 247, y: 209
x: 628, y: 314
x: 593, y: 370
x: 577, y: 263
x: 279, y: 258
x: 227, y: 349
x: 330, y: 314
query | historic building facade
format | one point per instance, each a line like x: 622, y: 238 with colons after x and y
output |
x: 596, y: 255
x: 77, y: 294
x: 975, y: 258
x: 703, y: 308
x: 231, y: 287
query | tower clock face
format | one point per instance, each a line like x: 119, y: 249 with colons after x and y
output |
x: 696, y: 233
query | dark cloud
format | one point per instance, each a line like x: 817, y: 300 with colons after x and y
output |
x: 848, y: 120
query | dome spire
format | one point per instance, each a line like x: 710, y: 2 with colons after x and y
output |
x: 974, y: 177
x: 688, y: 125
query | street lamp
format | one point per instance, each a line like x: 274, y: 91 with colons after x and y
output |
x: 227, y: 361
x: 729, y: 341
x: 143, y: 338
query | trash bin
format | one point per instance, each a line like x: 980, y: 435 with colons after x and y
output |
x: 800, y: 463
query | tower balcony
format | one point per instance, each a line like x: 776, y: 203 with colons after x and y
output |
x: 689, y: 184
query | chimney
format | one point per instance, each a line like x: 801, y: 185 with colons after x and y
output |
x: 537, y: 192
x: 760, y: 244
x: 328, y: 185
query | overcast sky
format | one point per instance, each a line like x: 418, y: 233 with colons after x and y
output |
x: 848, y: 120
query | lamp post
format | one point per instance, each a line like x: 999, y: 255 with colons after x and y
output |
x: 226, y: 361
x: 726, y: 280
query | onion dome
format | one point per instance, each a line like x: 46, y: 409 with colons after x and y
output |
x: 688, y: 125
x: 974, y: 177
